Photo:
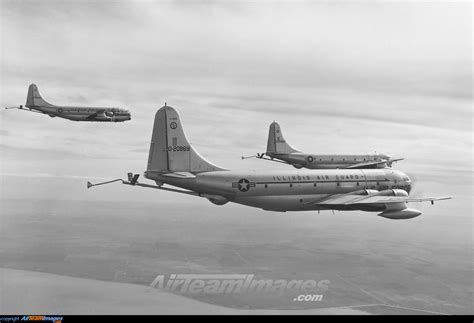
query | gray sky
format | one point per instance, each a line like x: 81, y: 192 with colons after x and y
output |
x: 340, y: 77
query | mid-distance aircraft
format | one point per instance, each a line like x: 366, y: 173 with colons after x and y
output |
x: 172, y: 160
x: 35, y: 103
x: 279, y: 150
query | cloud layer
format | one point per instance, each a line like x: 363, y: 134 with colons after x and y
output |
x: 338, y: 77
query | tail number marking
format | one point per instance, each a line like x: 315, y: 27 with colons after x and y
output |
x: 179, y: 148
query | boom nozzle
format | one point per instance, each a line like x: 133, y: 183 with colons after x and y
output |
x: 89, y: 184
x: 132, y: 180
x: 259, y: 156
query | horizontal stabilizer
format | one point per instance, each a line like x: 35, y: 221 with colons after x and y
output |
x: 179, y: 175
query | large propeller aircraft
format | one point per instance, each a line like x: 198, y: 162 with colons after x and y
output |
x: 35, y: 103
x: 173, y: 161
x: 278, y: 150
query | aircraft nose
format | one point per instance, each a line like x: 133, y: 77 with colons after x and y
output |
x: 408, y: 184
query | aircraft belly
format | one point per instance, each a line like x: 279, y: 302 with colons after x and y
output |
x: 199, y: 185
x: 280, y: 203
x: 72, y: 117
x: 325, y: 166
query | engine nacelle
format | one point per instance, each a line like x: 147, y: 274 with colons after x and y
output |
x: 297, y: 166
x: 400, y: 214
x: 364, y: 192
x: 109, y: 114
x: 393, y: 192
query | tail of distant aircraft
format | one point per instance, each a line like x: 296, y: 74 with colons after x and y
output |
x: 34, y: 98
x: 170, y: 150
x: 276, y: 143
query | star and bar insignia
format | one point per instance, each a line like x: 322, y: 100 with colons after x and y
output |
x: 243, y: 185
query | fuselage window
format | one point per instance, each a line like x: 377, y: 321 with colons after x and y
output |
x: 314, y: 184
x: 291, y: 185
x: 266, y: 185
x: 357, y: 183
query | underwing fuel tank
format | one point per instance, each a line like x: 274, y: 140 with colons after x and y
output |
x: 400, y: 214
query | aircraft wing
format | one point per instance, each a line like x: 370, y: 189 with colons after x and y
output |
x: 373, y: 163
x: 352, y: 199
x: 397, y: 199
x: 367, y: 164
x: 94, y: 115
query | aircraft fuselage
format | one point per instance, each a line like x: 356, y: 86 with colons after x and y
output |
x: 315, y: 161
x: 99, y: 114
x: 292, y: 190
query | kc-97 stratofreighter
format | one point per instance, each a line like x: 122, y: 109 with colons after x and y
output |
x: 279, y: 150
x: 173, y: 161
x: 35, y: 103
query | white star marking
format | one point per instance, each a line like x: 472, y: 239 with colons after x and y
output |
x: 244, y: 185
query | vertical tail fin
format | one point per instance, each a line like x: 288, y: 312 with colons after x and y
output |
x: 34, y: 98
x: 170, y: 150
x: 276, y: 143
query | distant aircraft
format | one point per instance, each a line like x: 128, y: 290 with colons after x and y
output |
x: 35, y: 103
x: 279, y: 150
x: 172, y: 160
